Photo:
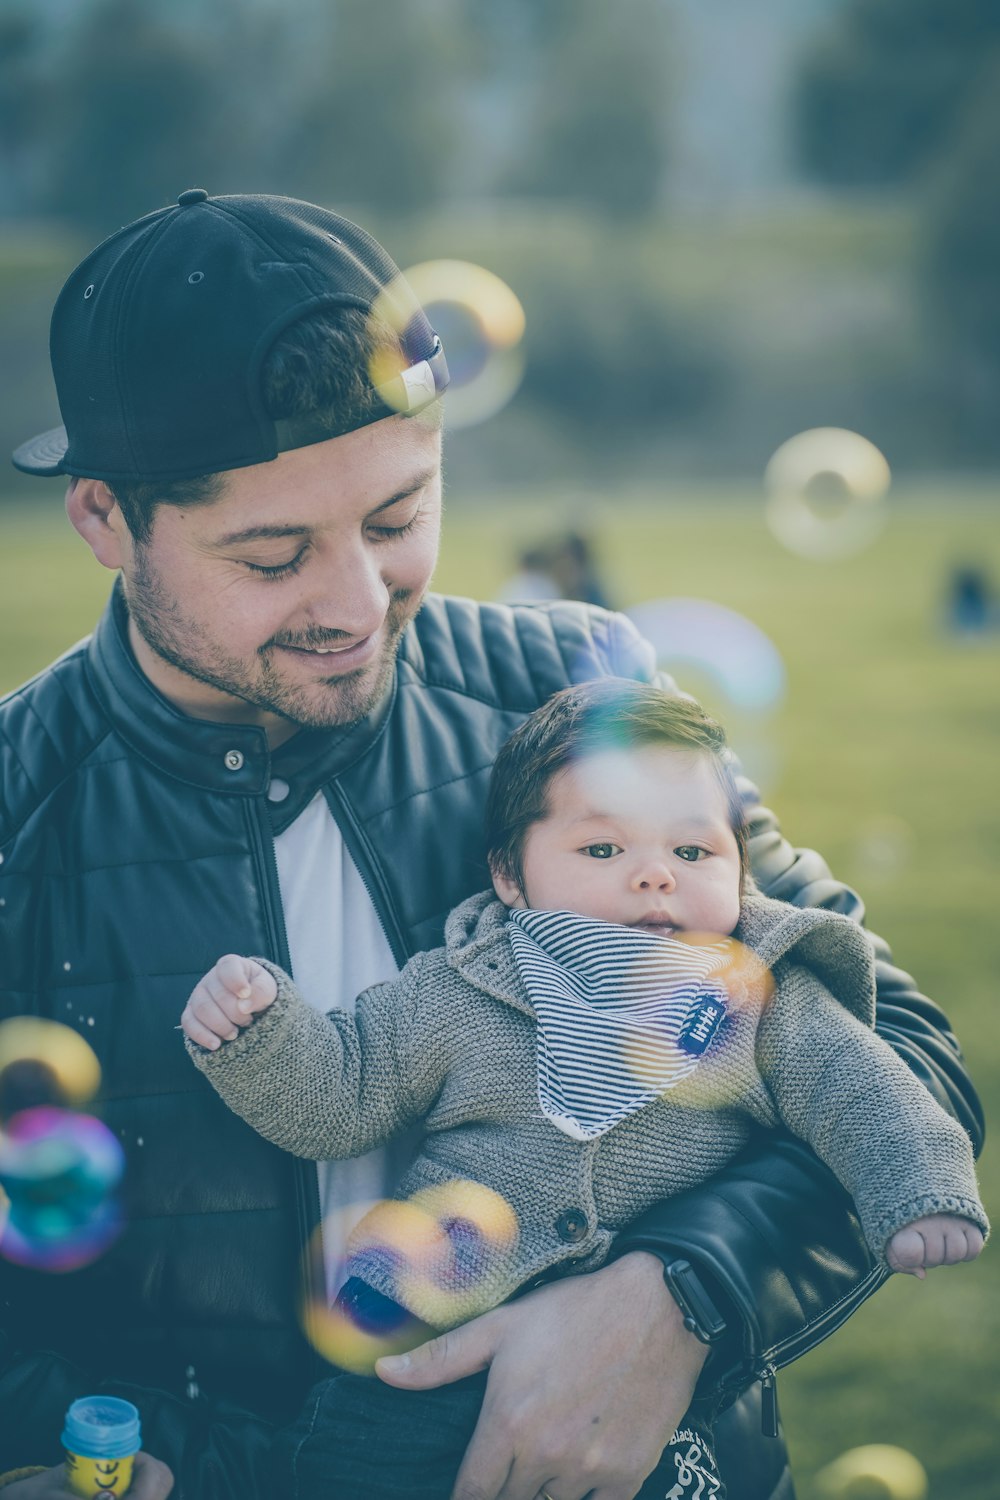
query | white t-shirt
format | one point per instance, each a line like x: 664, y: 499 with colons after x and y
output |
x: 338, y: 948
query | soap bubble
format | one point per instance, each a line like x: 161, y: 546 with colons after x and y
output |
x: 690, y: 1060
x: 877, y: 1471
x: 476, y: 1233
x: 480, y: 322
x: 428, y: 1256
x: 742, y: 662
x: 60, y: 1171
x: 826, y: 489
x: 44, y: 1062
x: 884, y: 847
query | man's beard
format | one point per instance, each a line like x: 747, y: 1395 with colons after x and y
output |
x: 341, y: 700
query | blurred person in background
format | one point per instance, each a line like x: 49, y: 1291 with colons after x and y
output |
x: 278, y: 741
x: 559, y: 567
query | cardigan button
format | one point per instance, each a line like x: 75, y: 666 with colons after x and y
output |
x: 233, y: 760
x: 571, y: 1225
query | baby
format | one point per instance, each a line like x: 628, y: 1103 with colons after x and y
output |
x: 602, y: 1029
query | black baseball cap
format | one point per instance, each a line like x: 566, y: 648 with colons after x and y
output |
x: 159, y: 336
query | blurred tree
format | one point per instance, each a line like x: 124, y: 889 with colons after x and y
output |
x: 906, y: 94
x: 612, y: 360
x: 887, y: 85
x: 378, y: 125
x: 136, y: 116
x: 595, y: 130
x: 958, y: 266
x: 22, y: 102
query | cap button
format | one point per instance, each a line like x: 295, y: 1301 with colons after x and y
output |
x: 193, y: 195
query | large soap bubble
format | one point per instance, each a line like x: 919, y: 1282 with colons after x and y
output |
x: 480, y: 322
x: 699, y: 1062
x: 742, y: 662
x: 877, y: 1471
x: 826, y: 489
x: 59, y: 1171
x: 44, y: 1062
x: 435, y: 1252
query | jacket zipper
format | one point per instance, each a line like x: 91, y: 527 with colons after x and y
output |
x: 807, y: 1338
x: 304, y: 1173
x: 768, y: 1401
x: 370, y: 879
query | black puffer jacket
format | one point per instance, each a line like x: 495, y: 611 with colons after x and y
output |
x: 137, y: 847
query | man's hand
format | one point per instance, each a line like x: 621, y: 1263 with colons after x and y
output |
x: 936, y: 1240
x: 229, y: 996
x: 151, y: 1480
x: 589, y: 1378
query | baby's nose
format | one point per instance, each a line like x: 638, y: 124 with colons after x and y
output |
x: 655, y: 876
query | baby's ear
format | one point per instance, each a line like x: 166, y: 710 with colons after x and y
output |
x: 506, y: 887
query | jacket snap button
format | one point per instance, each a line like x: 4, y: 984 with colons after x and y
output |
x: 233, y: 759
x: 277, y: 790
x: 571, y: 1226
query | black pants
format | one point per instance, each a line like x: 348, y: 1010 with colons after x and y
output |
x: 359, y: 1439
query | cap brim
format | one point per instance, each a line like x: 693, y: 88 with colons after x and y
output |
x: 43, y: 454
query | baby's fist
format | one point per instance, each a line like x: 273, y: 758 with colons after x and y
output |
x: 937, y: 1240
x: 228, y: 997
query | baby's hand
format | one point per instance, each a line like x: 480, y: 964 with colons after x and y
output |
x: 227, y: 998
x: 937, y: 1240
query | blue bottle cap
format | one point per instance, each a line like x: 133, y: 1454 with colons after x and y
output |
x: 102, y: 1427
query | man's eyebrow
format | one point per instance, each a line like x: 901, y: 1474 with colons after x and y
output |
x: 272, y: 533
x: 259, y: 533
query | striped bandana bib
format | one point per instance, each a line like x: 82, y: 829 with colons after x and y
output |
x: 622, y: 1014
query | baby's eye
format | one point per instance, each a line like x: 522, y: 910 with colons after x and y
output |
x: 602, y: 851
x: 691, y: 853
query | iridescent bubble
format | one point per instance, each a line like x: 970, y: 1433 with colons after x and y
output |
x: 480, y: 322
x: 60, y: 1171
x: 429, y: 1260
x: 44, y: 1062
x: 742, y: 662
x: 696, y: 1059
x: 477, y: 1233
x: 825, y: 491
x: 877, y: 1471
x: 338, y: 1335
x: 884, y: 847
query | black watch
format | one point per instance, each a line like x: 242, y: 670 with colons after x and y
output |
x: 701, y: 1316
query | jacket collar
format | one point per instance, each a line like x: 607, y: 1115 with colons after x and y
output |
x: 478, y: 947
x: 231, y: 759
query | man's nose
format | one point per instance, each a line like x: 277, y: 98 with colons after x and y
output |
x: 349, y: 592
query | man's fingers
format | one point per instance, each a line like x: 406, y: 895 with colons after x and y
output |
x: 488, y: 1463
x: 151, y: 1479
x: 460, y: 1352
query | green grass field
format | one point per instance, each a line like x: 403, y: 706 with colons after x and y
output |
x: 884, y: 755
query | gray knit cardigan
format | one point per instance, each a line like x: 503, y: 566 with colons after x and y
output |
x: 451, y: 1044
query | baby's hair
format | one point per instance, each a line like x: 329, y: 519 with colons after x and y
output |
x: 611, y: 713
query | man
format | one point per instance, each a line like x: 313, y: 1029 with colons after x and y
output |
x: 272, y: 745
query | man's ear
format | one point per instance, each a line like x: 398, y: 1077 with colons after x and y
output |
x: 93, y: 510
